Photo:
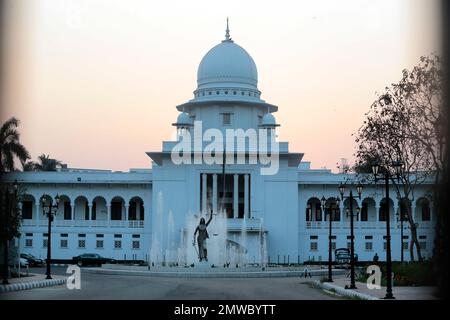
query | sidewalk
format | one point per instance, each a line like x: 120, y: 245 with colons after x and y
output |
x: 32, y: 281
x: 400, y: 293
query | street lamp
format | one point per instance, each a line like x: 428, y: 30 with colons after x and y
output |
x: 51, y: 211
x: 330, y: 262
x: 359, y: 188
x: 398, y: 166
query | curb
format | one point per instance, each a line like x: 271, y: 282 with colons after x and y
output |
x: 208, y: 274
x: 342, y: 291
x: 31, y: 285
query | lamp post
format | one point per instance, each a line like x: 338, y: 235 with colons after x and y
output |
x: 330, y: 257
x: 397, y: 165
x: 359, y: 188
x: 51, y: 211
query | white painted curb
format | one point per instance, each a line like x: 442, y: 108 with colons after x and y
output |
x: 207, y: 274
x: 343, y: 292
x: 31, y: 285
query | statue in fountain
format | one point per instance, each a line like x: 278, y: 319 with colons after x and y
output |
x: 201, y: 238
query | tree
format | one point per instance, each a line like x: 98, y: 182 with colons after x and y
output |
x: 403, y: 124
x: 10, y: 146
x: 45, y: 163
x: 9, y: 221
x: 28, y: 166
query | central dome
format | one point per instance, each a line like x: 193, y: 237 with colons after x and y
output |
x: 227, y: 65
x: 227, y: 73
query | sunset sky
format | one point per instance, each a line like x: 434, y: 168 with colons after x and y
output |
x: 95, y: 82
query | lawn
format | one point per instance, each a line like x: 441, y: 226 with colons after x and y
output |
x: 407, y: 274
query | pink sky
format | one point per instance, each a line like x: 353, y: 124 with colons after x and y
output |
x: 95, y: 83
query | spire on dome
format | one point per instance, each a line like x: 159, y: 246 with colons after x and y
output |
x: 227, y: 34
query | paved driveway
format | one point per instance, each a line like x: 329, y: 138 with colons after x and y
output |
x: 101, y: 286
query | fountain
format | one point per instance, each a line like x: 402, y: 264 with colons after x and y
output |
x: 156, y: 256
x: 263, y: 245
x: 170, y: 248
x: 243, y: 243
x: 173, y: 254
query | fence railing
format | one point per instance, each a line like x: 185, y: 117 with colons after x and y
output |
x: 364, y: 225
x: 86, y: 223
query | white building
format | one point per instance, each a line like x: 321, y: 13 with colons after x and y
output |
x: 124, y: 215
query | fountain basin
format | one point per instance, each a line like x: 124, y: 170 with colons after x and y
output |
x: 209, y: 272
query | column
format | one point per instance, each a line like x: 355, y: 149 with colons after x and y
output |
x: 72, y: 211
x: 235, y: 196
x: 89, y: 211
x: 377, y: 211
x: 394, y: 215
x: 358, y: 218
x: 214, y: 195
x: 126, y: 212
x: 413, y: 212
x: 142, y: 215
x: 246, y: 196
x: 108, y: 210
x: 37, y: 212
x: 342, y: 213
x: 204, y: 194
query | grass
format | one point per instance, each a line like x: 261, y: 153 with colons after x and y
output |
x: 407, y: 274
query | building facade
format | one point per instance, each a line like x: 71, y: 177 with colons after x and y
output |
x: 150, y: 214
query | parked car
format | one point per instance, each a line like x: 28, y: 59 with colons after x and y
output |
x: 95, y: 259
x: 14, y: 262
x: 32, y: 260
x: 343, y: 256
x: 23, y: 263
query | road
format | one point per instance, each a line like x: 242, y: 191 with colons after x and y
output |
x: 112, y: 287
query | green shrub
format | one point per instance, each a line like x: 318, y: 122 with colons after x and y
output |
x: 407, y: 274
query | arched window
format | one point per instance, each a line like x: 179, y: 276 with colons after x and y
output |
x: 116, y: 208
x: 364, y: 211
x: 313, y: 210
x: 67, y: 210
x: 136, y: 209
x: 382, y: 213
x: 27, y: 206
x: 426, y: 212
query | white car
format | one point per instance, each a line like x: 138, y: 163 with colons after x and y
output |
x: 23, y: 262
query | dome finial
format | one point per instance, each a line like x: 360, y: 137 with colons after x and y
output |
x: 227, y: 33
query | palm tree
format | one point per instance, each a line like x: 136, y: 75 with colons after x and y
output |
x: 29, y: 166
x: 45, y: 163
x: 10, y: 146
